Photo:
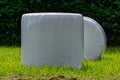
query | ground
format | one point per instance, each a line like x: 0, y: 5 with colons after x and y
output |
x: 105, y: 68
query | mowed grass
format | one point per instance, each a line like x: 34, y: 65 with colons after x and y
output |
x: 108, y: 67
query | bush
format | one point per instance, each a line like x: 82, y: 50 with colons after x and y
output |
x: 106, y: 12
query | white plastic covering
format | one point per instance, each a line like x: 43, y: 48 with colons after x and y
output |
x: 94, y: 39
x: 52, y: 39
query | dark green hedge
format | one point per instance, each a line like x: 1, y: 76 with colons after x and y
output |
x: 106, y: 12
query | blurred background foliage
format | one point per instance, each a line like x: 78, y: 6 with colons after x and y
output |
x: 105, y: 12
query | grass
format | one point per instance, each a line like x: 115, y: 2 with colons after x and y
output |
x: 108, y: 67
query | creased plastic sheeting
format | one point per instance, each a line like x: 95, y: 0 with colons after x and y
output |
x: 94, y: 39
x: 52, y: 39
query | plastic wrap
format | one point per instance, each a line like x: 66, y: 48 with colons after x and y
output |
x: 94, y: 39
x: 52, y: 39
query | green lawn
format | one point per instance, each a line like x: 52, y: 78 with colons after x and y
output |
x: 108, y: 67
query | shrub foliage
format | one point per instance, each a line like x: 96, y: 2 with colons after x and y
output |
x: 106, y: 12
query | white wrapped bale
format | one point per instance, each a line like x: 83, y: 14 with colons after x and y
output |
x: 94, y: 39
x: 52, y: 39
